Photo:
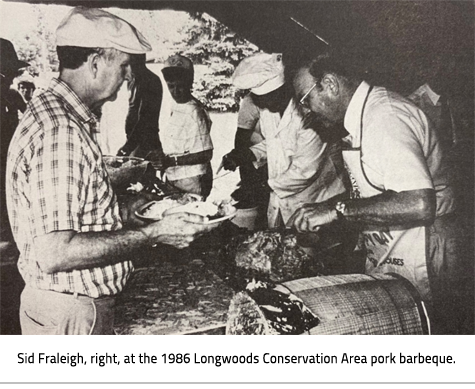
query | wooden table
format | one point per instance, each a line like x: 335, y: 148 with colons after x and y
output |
x: 172, y: 292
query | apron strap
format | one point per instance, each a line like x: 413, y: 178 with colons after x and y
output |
x: 361, y: 144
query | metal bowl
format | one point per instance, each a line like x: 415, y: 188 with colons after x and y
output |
x: 124, y: 171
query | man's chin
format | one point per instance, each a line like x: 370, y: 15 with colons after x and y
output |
x: 113, y: 97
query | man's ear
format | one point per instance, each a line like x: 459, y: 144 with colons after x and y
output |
x: 93, y: 64
x: 331, y: 83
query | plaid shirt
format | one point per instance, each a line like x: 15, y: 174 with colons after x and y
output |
x: 56, y: 181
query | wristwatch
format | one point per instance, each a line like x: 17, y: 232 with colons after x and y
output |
x: 340, y: 208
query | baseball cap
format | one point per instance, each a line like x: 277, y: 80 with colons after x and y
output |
x: 261, y: 73
x: 176, y: 64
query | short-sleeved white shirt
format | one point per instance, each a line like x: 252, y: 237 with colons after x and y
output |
x: 400, y: 150
x: 187, y: 131
x: 248, y: 119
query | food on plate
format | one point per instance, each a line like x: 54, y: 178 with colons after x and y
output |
x: 185, y: 198
x: 155, y: 209
x: 135, y: 188
x: 189, y: 203
x: 211, y: 210
x: 224, y: 208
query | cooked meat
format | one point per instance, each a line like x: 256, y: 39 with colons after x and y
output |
x: 275, y: 255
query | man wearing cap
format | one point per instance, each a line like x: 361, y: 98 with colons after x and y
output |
x: 253, y: 190
x: 185, y: 135
x: 75, y: 248
x: 300, y: 164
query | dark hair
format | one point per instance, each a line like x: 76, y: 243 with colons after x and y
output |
x: 27, y: 84
x: 346, y: 66
x: 72, y: 57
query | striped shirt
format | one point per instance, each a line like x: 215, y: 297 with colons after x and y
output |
x: 57, y: 181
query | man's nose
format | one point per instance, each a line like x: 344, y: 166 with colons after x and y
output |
x: 304, y: 109
x: 128, y: 74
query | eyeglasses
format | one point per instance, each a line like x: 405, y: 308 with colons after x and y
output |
x: 303, y: 100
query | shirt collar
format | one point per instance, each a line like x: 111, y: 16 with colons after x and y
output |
x: 434, y: 97
x: 352, y: 121
x: 81, y: 110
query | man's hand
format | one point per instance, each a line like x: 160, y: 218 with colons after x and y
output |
x: 310, y: 217
x: 178, y: 229
x: 237, y: 157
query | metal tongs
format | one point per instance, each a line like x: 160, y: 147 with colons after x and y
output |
x: 218, y: 176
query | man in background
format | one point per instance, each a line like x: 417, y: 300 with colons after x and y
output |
x: 253, y: 190
x: 145, y: 100
x: 300, y: 165
x: 11, y: 104
x: 26, y: 89
x: 185, y: 136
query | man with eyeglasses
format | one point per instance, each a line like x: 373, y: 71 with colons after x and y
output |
x: 302, y: 168
x: 402, y: 197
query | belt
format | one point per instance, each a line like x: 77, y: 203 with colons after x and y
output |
x: 77, y: 295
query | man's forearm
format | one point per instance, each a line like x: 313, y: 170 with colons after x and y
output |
x: 242, y: 139
x: 68, y: 250
x: 403, y: 209
x: 390, y: 209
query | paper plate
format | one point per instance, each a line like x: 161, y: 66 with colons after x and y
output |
x: 154, y: 210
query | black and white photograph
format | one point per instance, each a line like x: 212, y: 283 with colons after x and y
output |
x: 237, y: 167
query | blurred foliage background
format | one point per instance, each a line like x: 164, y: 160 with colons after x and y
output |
x: 198, y: 36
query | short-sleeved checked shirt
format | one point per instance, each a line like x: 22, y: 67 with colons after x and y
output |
x: 56, y: 181
x: 187, y: 131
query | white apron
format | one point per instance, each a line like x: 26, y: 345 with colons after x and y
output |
x: 388, y: 250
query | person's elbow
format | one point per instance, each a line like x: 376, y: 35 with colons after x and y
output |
x: 51, y: 251
x: 47, y: 260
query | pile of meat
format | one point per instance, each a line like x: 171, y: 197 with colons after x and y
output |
x: 262, y: 260
x: 275, y: 256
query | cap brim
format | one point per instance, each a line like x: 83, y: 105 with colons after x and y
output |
x: 269, y: 86
x: 171, y: 73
